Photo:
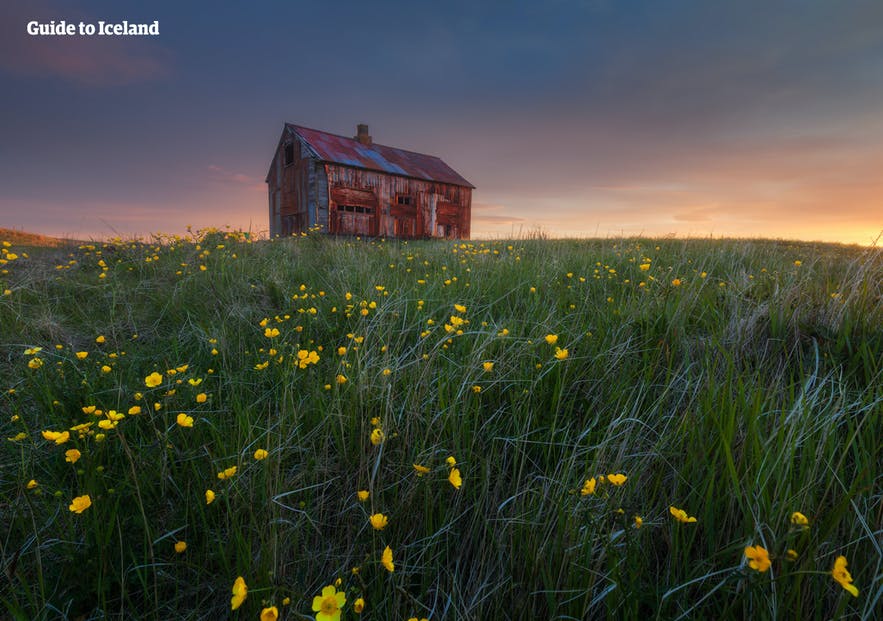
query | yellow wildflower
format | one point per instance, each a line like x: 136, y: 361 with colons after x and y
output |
x: 798, y: 519
x: 209, y: 496
x: 32, y: 484
x: 270, y: 614
x: 260, y: 454
x: 329, y: 604
x: 153, y: 380
x: 359, y: 606
x: 80, y: 504
x: 184, y: 421
x: 451, y: 461
x: 72, y: 455
x: 240, y: 592
x: 454, y: 478
x: 35, y: 363
x: 100, y: 338
x: 134, y: 410
x: 271, y: 333
x: 561, y: 354
x: 180, y: 547
x: 842, y: 576
x: 487, y: 366
x: 680, y: 515
x: 676, y: 282
x: 81, y: 355
x: 551, y: 339
x: 228, y: 473
x: 639, y: 521
x: 459, y: 308
x: 201, y: 397
x: 59, y: 437
x: 759, y: 558
x: 386, y: 560
x: 341, y: 379
x: 589, y: 487
x: 377, y: 436
x: 616, y: 479
x: 362, y: 495
x: 421, y: 470
x: 378, y: 521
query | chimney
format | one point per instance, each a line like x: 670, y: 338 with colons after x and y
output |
x: 362, y: 136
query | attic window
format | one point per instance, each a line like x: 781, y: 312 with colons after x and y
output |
x: 289, y: 153
x: 404, y: 199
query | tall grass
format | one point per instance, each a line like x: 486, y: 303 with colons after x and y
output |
x: 739, y: 381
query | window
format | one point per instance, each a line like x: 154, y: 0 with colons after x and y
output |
x: 355, y: 209
x: 404, y: 199
x: 289, y: 153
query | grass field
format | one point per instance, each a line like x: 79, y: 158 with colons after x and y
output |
x: 535, y: 422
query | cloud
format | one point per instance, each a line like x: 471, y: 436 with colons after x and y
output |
x: 487, y: 213
x: 222, y: 175
x: 93, y: 61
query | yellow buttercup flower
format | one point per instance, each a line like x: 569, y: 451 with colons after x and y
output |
x: 377, y: 436
x: 639, y: 521
x: 451, y: 461
x: 201, y: 397
x: 72, y: 455
x: 81, y: 355
x: 551, y: 339
x: 454, y: 478
x: 209, y: 496
x: 240, y: 592
x: 341, y: 379
x: 421, y: 470
x: 459, y: 308
x: 180, y: 547
x: 616, y: 479
x: 378, y: 521
x: 561, y: 354
x: 759, y: 558
x: 80, y: 504
x: 680, y: 515
x: 589, y: 487
x: 260, y: 454
x: 59, y: 437
x: 676, y: 282
x: 798, y: 519
x: 271, y: 333
x: 359, y: 606
x: 270, y: 614
x: 386, y: 560
x: 32, y: 484
x: 184, y: 421
x: 362, y: 495
x: 228, y: 473
x: 842, y: 576
x: 153, y: 380
x: 329, y: 604
x: 487, y: 366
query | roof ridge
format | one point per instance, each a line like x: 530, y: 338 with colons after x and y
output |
x: 386, y: 146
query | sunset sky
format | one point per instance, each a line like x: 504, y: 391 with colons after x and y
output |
x: 577, y: 117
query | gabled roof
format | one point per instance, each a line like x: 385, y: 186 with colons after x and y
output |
x: 336, y: 149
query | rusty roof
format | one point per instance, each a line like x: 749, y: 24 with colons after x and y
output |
x: 350, y: 152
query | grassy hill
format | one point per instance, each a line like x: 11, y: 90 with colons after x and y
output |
x: 511, y: 429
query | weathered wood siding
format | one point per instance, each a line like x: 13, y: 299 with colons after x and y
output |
x: 435, y: 209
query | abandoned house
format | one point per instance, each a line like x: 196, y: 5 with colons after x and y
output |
x: 352, y: 186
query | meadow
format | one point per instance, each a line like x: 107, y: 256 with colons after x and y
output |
x: 209, y: 427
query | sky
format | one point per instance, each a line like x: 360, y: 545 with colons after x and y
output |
x: 574, y: 118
